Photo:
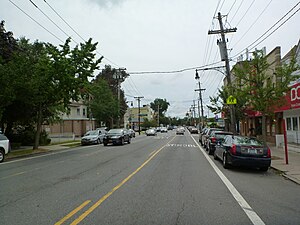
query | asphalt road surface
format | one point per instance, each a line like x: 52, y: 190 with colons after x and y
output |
x: 166, y: 179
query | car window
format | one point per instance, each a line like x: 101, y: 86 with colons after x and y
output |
x: 2, y: 137
x: 246, y: 141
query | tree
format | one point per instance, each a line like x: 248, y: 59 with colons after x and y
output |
x: 160, y: 105
x: 258, y: 91
x: 103, y: 104
x: 108, y: 74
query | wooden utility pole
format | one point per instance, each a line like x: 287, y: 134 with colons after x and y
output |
x: 139, y: 113
x: 200, y: 98
x: 224, y: 57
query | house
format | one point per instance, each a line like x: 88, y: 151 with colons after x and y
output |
x: 131, y: 117
x: 76, y: 123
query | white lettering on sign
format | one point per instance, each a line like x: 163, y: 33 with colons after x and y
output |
x: 295, y: 93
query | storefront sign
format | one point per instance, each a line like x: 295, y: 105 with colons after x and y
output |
x: 295, y: 96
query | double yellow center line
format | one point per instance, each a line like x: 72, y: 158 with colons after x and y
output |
x: 102, y: 199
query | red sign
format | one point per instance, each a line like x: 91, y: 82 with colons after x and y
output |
x: 292, y: 99
x: 295, y: 96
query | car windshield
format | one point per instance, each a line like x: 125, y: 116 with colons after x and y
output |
x: 92, y: 132
x: 246, y: 141
x: 221, y: 135
x: 115, y: 131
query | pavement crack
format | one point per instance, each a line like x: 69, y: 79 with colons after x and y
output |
x: 179, y: 214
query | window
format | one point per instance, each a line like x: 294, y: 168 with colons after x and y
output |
x: 78, y: 111
x: 288, y: 124
x: 83, y: 111
x: 295, y: 123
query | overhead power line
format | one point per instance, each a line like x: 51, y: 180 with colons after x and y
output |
x: 35, y: 21
x: 254, y: 44
x: 177, y: 71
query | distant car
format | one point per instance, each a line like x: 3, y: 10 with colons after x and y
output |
x: 117, y: 136
x: 194, y: 130
x: 151, y: 132
x: 180, y: 130
x: 93, y: 137
x: 131, y: 133
x: 207, y: 134
x: 158, y: 129
x: 215, y: 138
x: 241, y: 150
x: 163, y: 130
x: 4, y: 147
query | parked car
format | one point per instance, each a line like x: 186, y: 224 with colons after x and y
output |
x: 117, y: 136
x: 194, y: 130
x: 201, y: 133
x: 207, y: 134
x: 4, y: 147
x: 163, y: 130
x: 151, y: 132
x: 241, y: 150
x: 131, y: 133
x: 93, y: 137
x: 180, y: 130
x: 214, y: 138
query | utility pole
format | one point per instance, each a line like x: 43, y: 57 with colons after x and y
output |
x: 118, y: 75
x: 200, y: 98
x: 158, y: 108
x: 139, y: 116
x: 224, y: 57
x: 194, y: 112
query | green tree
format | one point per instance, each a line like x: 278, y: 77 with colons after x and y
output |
x: 160, y: 105
x: 103, y: 104
x: 108, y: 74
x: 257, y: 90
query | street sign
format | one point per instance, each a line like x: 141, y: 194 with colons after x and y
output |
x: 231, y: 100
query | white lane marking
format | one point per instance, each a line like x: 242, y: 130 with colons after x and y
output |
x: 255, y: 219
x: 47, y: 154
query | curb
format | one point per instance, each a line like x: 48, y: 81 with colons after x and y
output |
x: 286, y: 176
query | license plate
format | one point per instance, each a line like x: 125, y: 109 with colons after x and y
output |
x: 252, y: 151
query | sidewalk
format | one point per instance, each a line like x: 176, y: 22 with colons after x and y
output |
x: 290, y: 170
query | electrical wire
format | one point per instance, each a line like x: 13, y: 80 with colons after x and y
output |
x: 104, y: 57
x: 253, y: 23
x: 245, y: 12
x: 237, y: 10
x: 36, y: 21
x: 258, y: 39
x: 175, y: 71
x: 35, y: 5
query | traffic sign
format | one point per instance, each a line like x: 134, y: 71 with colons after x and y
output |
x: 231, y: 100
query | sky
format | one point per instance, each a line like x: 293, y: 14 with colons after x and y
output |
x: 159, y: 36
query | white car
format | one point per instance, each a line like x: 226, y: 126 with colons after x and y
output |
x: 4, y: 147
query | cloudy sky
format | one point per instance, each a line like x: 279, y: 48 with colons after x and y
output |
x: 159, y: 36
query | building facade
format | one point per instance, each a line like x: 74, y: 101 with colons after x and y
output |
x: 76, y: 123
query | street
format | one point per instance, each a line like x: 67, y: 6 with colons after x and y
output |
x: 163, y: 179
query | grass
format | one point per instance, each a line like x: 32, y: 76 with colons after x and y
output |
x: 24, y: 152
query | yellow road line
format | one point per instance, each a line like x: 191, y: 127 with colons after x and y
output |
x: 13, y: 175
x: 99, y: 202
x: 73, y: 212
x: 152, y: 153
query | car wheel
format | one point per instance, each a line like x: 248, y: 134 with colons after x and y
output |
x: 2, y: 155
x: 265, y: 168
x: 104, y: 143
x: 98, y: 141
x: 128, y: 141
x: 215, y: 155
x: 122, y: 141
x: 225, y: 163
x: 210, y: 152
